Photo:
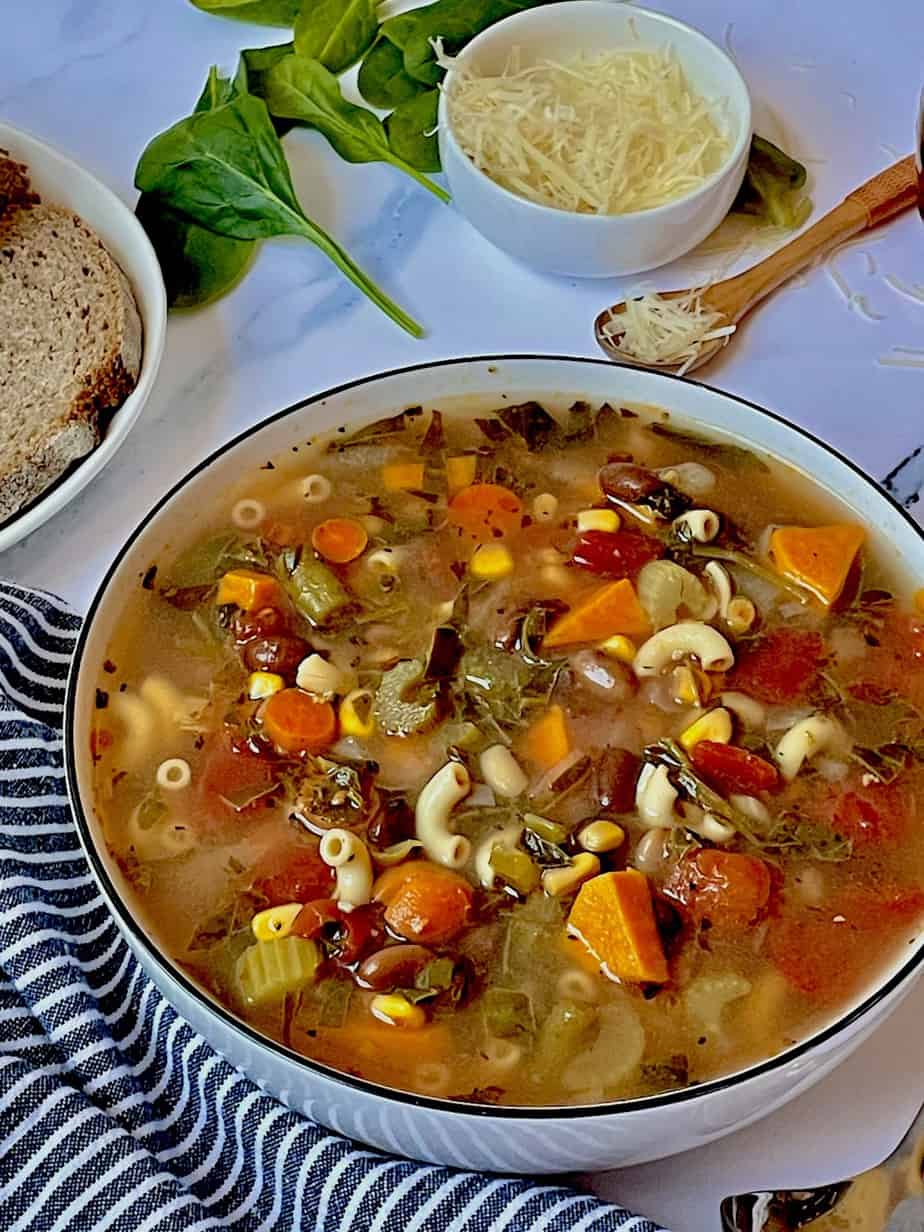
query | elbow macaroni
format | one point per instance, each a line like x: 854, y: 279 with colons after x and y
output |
x: 721, y: 584
x: 435, y: 803
x: 689, y: 637
x: 816, y: 734
x: 348, y: 856
x: 655, y: 797
x: 700, y: 525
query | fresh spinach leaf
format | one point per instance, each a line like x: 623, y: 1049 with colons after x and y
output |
x: 382, y: 80
x: 260, y: 12
x: 302, y: 89
x: 255, y: 63
x: 226, y: 170
x: 772, y: 187
x: 198, y: 265
x: 336, y: 32
x: 453, y: 21
x: 411, y: 130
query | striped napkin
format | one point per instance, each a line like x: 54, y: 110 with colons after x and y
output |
x: 114, y: 1113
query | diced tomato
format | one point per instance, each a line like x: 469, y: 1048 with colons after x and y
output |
x: 615, y: 554
x: 824, y: 956
x: 228, y: 772
x: 871, y: 693
x: 298, y: 876
x: 873, y: 814
x: 821, y: 959
x: 730, y: 890
x: 730, y: 769
x: 897, y: 662
x: 781, y: 666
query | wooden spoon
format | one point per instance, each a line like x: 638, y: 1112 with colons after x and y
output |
x: 885, y: 195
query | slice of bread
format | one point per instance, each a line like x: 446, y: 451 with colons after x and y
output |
x: 70, y: 346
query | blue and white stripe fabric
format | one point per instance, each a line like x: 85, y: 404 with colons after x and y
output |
x: 114, y: 1113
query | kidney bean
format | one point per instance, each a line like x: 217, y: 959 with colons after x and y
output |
x: 347, y: 935
x: 628, y: 483
x: 275, y: 654
x: 396, y: 966
x: 393, y: 822
x: 266, y: 622
x: 615, y: 554
x: 615, y: 774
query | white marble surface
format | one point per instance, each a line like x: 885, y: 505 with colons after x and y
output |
x: 837, y: 78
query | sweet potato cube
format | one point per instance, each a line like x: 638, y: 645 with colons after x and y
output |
x: 248, y: 590
x: 820, y: 557
x: 547, y: 741
x: 611, y: 609
x: 613, y: 916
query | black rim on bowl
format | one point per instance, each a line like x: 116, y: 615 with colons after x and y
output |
x: 250, y: 1034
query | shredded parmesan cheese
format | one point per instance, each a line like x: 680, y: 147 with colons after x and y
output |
x: 914, y: 293
x: 601, y: 134
x: 657, y: 331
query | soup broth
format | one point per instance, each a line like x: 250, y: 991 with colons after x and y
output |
x: 520, y: 758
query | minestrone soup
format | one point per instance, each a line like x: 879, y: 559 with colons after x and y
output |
x: 521, y: 759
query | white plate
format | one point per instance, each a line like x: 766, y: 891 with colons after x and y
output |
x: 60, y: 181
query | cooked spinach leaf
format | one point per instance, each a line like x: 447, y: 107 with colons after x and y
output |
x: 336, y: 32
x: 302, y: 89
x: 260, y: 12
x: 226, y: 169
x: 411, y: 130
x: 722, y: 451
x: 546, y: 854
x: 532, y: 423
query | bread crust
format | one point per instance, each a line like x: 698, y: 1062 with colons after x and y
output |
x: 70, y: 346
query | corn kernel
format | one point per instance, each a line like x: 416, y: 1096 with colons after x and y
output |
x: 491, y: 560
x: 598, y: 519
x: 740, y: 614
x: 395, y: 1009
x: 356, y: 718
x: 713, y: 725
x: 619, y: 647
x: 460, y: 472
x: 557, y: 882
x: 919, y: 599
x: 685, y: 686
x: 263, y: 684
x: 275, y: 922
x: 601, y: 835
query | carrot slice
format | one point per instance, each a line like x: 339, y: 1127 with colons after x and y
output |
x: 613, y: 916
x: 424, y: 902
x: 613, y: 608
x: 486, y: 511
x: 299, y: 723
x: 339, y: 540
x: 248, y: 590
x: 547, y: 739
x: 820, y: 557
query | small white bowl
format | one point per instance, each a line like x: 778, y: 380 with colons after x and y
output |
x: 597, y: 245
x: 60, y: 181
